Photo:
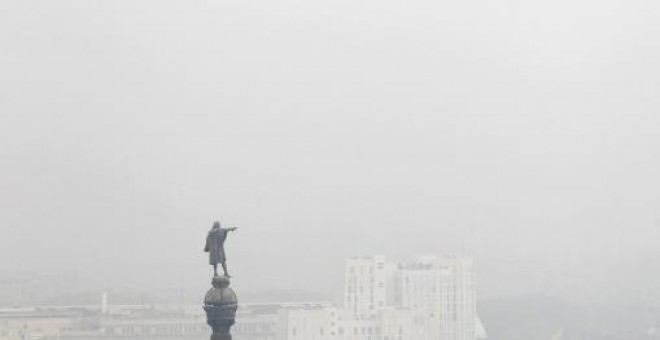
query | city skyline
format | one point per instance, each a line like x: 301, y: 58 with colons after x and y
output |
x: 367, y: 311
x: 531, y: 149
x: 522, y: 135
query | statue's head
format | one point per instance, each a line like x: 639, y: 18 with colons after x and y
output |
x: 216, y: 225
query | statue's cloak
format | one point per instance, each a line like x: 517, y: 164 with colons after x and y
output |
x: 215, y: 245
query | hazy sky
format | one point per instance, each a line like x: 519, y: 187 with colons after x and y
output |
x: 524, y: 134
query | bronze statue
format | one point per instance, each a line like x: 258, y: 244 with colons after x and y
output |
x: 215, y: 246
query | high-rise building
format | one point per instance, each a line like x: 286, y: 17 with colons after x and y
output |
x: 445, y: 289
x: 364, y: 286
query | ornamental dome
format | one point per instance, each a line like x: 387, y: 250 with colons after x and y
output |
x: 221, y: 295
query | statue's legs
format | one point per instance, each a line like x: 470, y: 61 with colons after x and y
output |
x: 224, y: 268
x: 215, y: 269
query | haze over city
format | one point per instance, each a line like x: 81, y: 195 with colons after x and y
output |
x: 520, y: 134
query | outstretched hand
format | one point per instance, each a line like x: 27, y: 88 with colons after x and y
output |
x: 232, y: 229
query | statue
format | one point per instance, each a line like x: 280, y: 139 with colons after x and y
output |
x: 220, y: 303
x: 215, y: 246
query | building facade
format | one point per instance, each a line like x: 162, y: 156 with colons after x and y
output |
x: 445, y: 289
x: 365, y: 285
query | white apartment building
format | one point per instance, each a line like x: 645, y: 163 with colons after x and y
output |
x: 445, y: 289
x: 365, y: 286
x: 401, y: 324
x: 433, y: 299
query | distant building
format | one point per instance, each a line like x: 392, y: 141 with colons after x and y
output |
x: 277, y: 321
x: 365, y: 285
x: 339, y: 324
x: 433, y: 299
x: 142, y: 322
x: 445, y: 289
x: 404, y: 324
x: 310, y: 324
x: 40, y: 323
x: 258, y: 322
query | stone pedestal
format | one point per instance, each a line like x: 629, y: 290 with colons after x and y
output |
x: 220, y: 304
x: 221, y: 336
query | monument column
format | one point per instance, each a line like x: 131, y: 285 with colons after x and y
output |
x: 220, y: 303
